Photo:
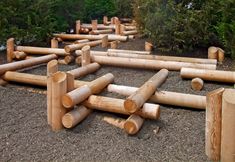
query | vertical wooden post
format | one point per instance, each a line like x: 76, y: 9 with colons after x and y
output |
x: 213, y: 124
x: 59, y: 88
x: 94, y: 24
x: 148, y: 46
x: 122, y: 29
x: 213, y: 53
x: 86, y: 57
x: 10, y: 49
x: 117, y: 27
x: 133, y: 124
x: 105, y: 41
x: 220, y: 55
x: 54, y: 43
x: 113, y: 20
x: 105, y: 20
x: 70, y: 82
x: 52, y: 67
x: 78, y: 26
x: 78, y: 60
x: 228, y: 126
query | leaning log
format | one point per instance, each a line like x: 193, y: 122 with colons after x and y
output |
x: 211, y: 75
x: 228, y: 126
x: 25, y: 63
x: 139, y: 97
x: 213, y: 124
x: 147, y: 64
x: 149, y: 111
x: 165, y: 97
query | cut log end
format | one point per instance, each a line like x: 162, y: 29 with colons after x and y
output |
x: 197, y: 84
x: 130, y: 106
x: 213, y: 53
x: 59, y: 77
x: 133, y: 124
x: 67, y: 49
x: 67, y: 101
x: 67, y: 120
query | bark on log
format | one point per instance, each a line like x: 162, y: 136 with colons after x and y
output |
x: 41, y: 50
x: 75, y: 116
x: 211, y: 75
x: 52, y: 67
x: 10, y: 49
x: 135, y: 101
x: 133, y: 124
x: 213, y: 53
x: 197, y: 84
x: 164, y: 97
x: 228, y: 126
x: 213, y: 124
x: 25, y: 63
x: 59, y: 88
x: 150, y: 111
x: 147, y: 64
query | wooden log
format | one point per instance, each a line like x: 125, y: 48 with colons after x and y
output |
x: 130, y: 28
x: 78, y: 26
x: 82, y: 71
x: 80, y: 94
x: 70, y: 82
x: 19, y: 55
x: 130, y: 32
x: 122, y: 29
x: 59, y: 88
x: 69, y: 59
x: 117, y: 27
x: 10, y: 49
x: 78, y: 60
x: 147, y: 64
x: 113, y: 44
x: 133, y: 124
x: 164, y: 97
x: 41, y: 50
x: 197, y: 84
x: 30, y: 57
x: 213, y: 53
x: 131, y: 37
x: 86, y: 57
x: 25, y: 63
x: 75, y: 116
x: 99, y: 26
x: 211, y: 75
x: 62, y: 62
x: 105, y: 20
x: 104, y: 31
x: 94, y: 24
x: 228, y: 126
x: 54, y: 43
x: 220, y: 55
x: 128, y: 51
x: 213, y: 124
x: 111, y: 37
x: 136, y: 100
x: 81, y: 41
x: 148, y: 46
x: 105, y: 41
x: 150, y: 111
x: 73, y: 47
x: 52, y: 68
x: 115, y: 122
x: 112, y: 20
x: 3, y: 82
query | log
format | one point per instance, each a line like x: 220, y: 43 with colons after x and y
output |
x: 54, y: 43
x: 142, y: 55
x: 82, y: 71
x: 147, y: 64
x: 30, y: 57
x: 213, y: 53
x: 19, y: 55
x: 213, y: 124
x: 117, y: 27
x: 84, y: 31
x: 81, y: 41
x: 148, y: 46
x: 220, y: 55
x: 130, y: 28
x: 41, y: 50
x: 130, y: 32
x: 80, y: 94
x: 136, y: 100
x: 70, y: 82
x: 104, y: 31
x: 131, y: 37
x: 211, y: 75
x: 69, y: 59
x: 133, y: 124
x: 122, y: 29
x: 62, y: 62
x: 52, y: 68
x: 113, y: 44
x: 59, y: 88
x: 78, y: 60
x: 105, y: 41
x: 164, y: 97
x: 78, y: 26
x: 105, y: 20
x: 228, y: 126
x: 111, y: 37
x: 99, y: 26
x: 75, y: 116
x: 86, y: 57
x: 150, y: 111
x: 115, y: 122
x: 3, y: 82
x: 197, y: 84
x: 10, y: 49
x: 25, y: 63
x: 94, y: 24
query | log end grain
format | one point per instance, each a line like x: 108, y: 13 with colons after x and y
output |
x: 213, y: 53
x: 130, y: 106
x: 197, y: 84
x: 67, y: 120
x: 133, y: 124
x: 67, y: 101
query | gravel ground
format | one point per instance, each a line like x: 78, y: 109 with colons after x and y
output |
x: 25, y: 135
